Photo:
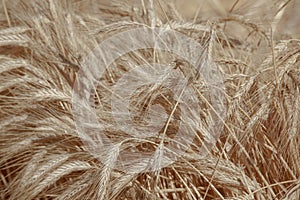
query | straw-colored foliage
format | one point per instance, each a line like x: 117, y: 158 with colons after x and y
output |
x: 43, y: 46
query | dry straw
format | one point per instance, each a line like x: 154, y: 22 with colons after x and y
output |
x: 43, y: 45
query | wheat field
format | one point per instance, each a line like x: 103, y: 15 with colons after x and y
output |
x: 237, y: 139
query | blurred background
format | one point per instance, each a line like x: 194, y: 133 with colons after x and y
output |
x: 260, y: 11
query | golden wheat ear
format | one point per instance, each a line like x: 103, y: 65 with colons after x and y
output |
x: 149, y: 100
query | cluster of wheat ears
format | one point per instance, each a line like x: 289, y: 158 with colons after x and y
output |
x: 256, y: 155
